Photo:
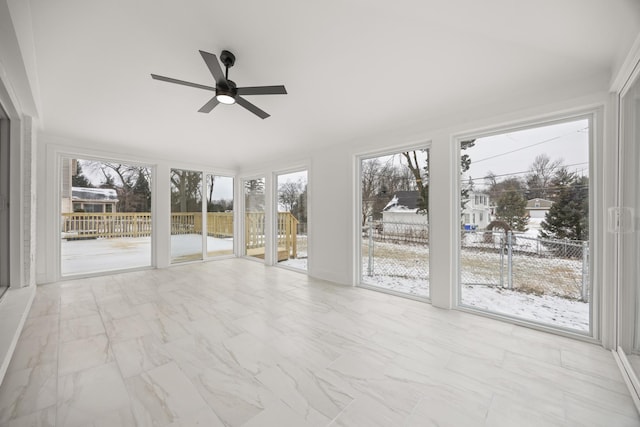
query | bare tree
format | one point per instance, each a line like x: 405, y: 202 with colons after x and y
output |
x: 186, y: 195
x: 211, y: 180
x: 541, y: 173
x: 420, y: 172
x: 368, y: 180
x: 131, y: 182
x: 289, y: 194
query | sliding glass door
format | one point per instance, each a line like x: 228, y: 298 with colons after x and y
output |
x: 291, y: 227
x: 4, y: 202
x: 219, y: 215
x: 186, y: 215
x: 105, y: 215
x: 254, y: 217
x: 629, y: 292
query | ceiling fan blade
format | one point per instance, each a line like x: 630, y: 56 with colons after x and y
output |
x: 214, y: 66
x: 181, y: 82
x: 249, y: 106
x: 206, y: 108
x: 262, y: 90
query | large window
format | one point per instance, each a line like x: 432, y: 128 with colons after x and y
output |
x: 4, y: 202
x: 629, y: 255
x: 106, y: 216
x: 186, y: 215
x: 219, y: 215
x: 254, y: 217
x: 291, y: 229
x: 524, y: 224
x: 394, y: 222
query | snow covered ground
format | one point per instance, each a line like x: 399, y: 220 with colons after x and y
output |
x: 93, y: 255
x: 298, y: 263
x: 87, y: 256
x: 404, y: 269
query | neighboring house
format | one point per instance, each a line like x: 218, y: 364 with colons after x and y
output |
x: 538, y: 208
x: 82, y: 199
x: 477, y: 211
x: 94, y: 200
x: 402, y: 212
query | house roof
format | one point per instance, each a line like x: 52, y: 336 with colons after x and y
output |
x: 403, y: 200
x: 88, y: 65
x: 94, y: 194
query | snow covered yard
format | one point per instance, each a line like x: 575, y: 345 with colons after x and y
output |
x: 300, y: 262
x: 546, y: 290
x: 93, y: 255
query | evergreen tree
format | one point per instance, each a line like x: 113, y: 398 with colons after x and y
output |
x: 568, y: 217
x: 511, y: 209
x: 79, y: 180
x: 465, y: 164
x: 254, y: 197
x: 141, y: 194
x: 301, y: 207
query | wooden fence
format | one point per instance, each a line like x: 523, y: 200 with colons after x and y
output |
x: 77, y: 226
x: 105, y: 225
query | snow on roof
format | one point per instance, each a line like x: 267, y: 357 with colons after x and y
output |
x: 104, y: 194
x: 392, y: 203
x: 400, y: 209
x: 407, y: 199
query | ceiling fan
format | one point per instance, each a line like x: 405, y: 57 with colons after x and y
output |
x: 225, y: 89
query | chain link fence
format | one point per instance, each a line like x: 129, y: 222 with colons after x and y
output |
x: 525, y: 263
x: 396, y: 256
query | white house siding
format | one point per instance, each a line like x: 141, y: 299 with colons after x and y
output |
x: 407, y: 216
x: 477, y: 211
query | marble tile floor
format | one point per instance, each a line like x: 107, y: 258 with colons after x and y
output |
x: 235, y: 343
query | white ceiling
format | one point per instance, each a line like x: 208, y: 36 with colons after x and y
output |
x: 352, y: 67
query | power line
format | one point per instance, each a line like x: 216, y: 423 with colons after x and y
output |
x: 520, y: 173
x: 529, y: 146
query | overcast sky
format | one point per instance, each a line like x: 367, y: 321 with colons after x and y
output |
x: 511, y: 154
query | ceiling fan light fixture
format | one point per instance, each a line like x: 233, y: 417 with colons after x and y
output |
x: 225, y: 98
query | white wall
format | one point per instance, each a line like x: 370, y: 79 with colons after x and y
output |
x: 17, y: 99
x: 333, y: 231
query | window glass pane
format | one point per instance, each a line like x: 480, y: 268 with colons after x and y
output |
x: 254, y: 201
x: 186, y: 215
x: 527, y: 256
x: 395, y: 222
x: 219, y: 215
x: 292, y: 220
x: 106, y: 216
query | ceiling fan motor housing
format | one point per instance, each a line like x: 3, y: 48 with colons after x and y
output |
x: 227, y: 58
x: 228, y: 89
